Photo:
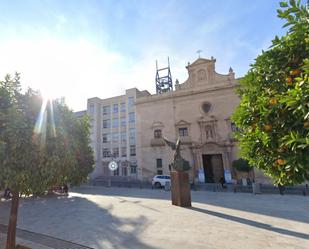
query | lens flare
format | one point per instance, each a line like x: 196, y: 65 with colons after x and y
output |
x: 43, y: 120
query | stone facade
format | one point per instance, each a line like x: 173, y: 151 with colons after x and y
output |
x: 113, y: 133
x: 198, y: 111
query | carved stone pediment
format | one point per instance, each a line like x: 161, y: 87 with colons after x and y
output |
x: 201, y: 72
x: 157, y: 124
x: 182, y: 123
x: 200, y: 61
x: 210, y: 146
x: 207, y: 118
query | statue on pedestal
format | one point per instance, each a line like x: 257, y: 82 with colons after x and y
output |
x: 180, y: 190
x: 179, y: 163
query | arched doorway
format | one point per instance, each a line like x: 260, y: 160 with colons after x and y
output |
x: 213, y: 167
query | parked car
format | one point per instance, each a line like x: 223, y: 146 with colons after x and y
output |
x: 160, y: 180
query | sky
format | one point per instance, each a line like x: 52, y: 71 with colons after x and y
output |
x: 81, y: 49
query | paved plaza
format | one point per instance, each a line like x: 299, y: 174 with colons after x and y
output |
x: 100, y: 217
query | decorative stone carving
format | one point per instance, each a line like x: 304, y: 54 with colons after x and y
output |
x: 208, y: 126
x: 209, y: 130
x: 201, y: 74
x: 179, y: 163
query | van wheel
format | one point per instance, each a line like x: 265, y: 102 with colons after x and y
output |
x: 158, y: 185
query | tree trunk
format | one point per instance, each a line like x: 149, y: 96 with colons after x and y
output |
x: 11, y: 235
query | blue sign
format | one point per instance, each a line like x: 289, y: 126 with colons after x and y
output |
x: 227, y: 176
x: 201, y: 175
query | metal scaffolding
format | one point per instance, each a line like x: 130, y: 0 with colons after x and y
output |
x: 164, y: 81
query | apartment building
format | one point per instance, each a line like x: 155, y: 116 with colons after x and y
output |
x: 113, y: 133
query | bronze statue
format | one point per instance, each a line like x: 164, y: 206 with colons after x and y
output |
x: 179, y: 163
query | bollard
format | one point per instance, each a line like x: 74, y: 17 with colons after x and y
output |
x: 167, y: 186
x: 109, y: 183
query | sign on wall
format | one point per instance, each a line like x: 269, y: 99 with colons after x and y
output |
x: 227, y: 176
x: 201, y: 175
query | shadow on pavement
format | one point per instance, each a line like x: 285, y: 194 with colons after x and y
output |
x: 289, y: 207
x: 252, y: 223
x: 80, y: 221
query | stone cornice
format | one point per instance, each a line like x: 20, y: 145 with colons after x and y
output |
x: 183, y: 92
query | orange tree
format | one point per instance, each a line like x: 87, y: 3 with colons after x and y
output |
x: 42, y: 144
x: 273, y: 114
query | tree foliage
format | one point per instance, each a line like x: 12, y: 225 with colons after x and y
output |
x: 273, y: 114
x: 42, y: 143
x: 241, y: 165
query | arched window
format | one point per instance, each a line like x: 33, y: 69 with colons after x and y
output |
x: 157, y: 133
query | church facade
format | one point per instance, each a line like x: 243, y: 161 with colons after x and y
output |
x: 198, y: 111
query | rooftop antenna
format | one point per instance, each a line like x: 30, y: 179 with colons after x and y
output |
x: 199, y: 53
x: 164, y: 81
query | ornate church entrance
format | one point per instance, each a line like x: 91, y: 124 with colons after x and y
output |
x: 213, y: 168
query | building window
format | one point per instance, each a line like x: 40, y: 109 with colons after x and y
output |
x: 106, y: 170
x: 115, y: 137
x: 123, y: 121
x: 115, y: 122
x: 124, y: 171
x: 131, y: 102
x: 123, y: 107
x: 133, y: 168
x: 91, y: 109
x: 106, y: 123
x: 159, y: 163
x: 157, y: 133
x: 115, y: 152
x: 132, y: 117
x: 106, y: 109
x: 132, y: 135
x: 106, y: 138
x: 123, y: 137
x: 159, y: 172
x: 183, y: 132
x: 206, y: 107
x: 123, y: 151
x: 115, y: 108
x: 106, y: 152
x: 116, y: 172
x: 132, y: 150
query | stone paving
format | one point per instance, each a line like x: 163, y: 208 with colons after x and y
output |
x: 39, y: 241
x: 100, y: 217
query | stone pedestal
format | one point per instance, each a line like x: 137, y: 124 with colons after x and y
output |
x: 181, y: 193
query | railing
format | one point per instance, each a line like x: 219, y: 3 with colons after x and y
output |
x: 127, y: 182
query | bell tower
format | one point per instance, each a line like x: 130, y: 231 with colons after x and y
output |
x: 164, y: 81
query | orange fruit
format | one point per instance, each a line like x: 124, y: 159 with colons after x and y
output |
x: 268, y: 127
x: 273, y: 101
x: 306, y: 123
x: 280, y: 161
x: 295, y: 72
x: 289, y: 81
